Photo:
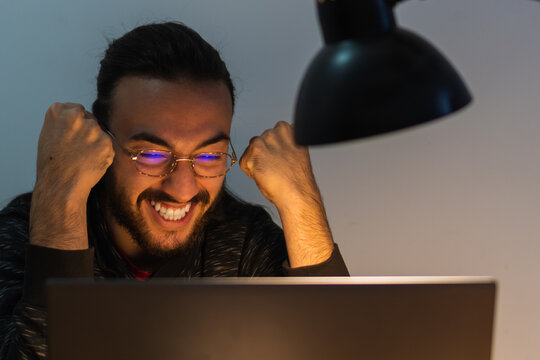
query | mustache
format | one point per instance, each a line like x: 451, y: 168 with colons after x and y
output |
x: 202, y: 197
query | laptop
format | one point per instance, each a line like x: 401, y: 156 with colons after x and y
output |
x: 375, y: 318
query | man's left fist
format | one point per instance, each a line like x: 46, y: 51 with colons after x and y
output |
x: 281, y: 169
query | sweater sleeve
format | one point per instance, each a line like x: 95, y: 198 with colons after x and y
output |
x: 24, y: 270
x: 44, y: 263
x: 334, y: 266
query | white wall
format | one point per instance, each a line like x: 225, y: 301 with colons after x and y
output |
x: 459, y: 196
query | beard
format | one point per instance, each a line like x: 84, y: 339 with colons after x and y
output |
x: 131, y: 219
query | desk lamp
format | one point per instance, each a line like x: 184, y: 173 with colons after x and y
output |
x: 371, y: 77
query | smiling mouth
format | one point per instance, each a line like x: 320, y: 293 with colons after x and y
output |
x: 170, y: 213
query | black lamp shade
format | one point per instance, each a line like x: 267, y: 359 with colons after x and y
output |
x: 375, y: 82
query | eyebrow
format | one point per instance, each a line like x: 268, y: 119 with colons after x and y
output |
x: 144, y: 136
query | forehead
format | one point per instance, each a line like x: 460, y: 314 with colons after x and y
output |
x: 180, y: 112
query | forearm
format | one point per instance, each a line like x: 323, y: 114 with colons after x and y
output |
x: 282, y: 171
x: 307, y: 234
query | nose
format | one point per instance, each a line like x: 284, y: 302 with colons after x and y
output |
x: 182, y: 182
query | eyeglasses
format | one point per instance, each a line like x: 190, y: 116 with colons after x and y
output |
x: 160, y: 163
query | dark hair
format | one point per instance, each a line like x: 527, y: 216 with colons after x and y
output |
x: 168, y: 51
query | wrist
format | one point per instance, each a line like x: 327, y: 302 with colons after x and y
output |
x: 299, y: 199
x: 58, y: 218
x: 50, y: 188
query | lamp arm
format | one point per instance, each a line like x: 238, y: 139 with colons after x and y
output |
x: 393, y: 3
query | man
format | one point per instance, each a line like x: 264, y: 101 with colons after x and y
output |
x: 136, y: 189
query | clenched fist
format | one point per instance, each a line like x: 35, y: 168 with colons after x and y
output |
x: 72, y: 148
x: 73, y: 155
x: 281, y: 169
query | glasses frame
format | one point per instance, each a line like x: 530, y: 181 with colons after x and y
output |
x: 134, y: 154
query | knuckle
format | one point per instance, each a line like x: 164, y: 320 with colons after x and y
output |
x: 283, y: 127
x: 54, y: 109
x: 75, y: 110
x: 286, y: 129
x: 91, y: 123
x: 110, y: 156
x: 56, y: 106
x: 107, y: 162
x: 74, y: 123
x: 255, y: 142
x: 255, y: 148
x: 107, y: 142
x: 105, y: 149
x: 93, y: 132
x: 245, y: 161
x: 246, y: 165
x: 89, y: 115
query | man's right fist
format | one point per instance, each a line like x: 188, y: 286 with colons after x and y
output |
x: 72, y: 148
x: 73, y: 155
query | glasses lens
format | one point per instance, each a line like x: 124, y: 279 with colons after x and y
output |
x: 211, y: 164
x: 154, y: 162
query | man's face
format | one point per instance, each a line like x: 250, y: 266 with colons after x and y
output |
x: 184, y: 117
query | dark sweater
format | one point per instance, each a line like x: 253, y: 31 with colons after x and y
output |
x: 239, y: 239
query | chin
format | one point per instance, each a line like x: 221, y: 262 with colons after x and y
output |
x: 167, y: 246
x: 166, y: 238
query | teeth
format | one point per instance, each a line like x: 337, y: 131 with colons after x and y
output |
x: 169, y: 213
